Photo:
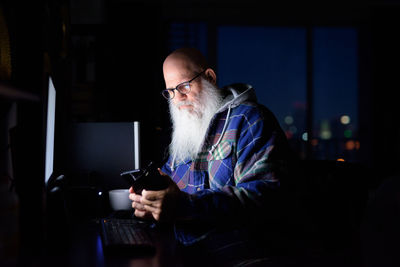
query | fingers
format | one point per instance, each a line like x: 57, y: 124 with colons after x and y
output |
x: 149, y: 201
x: 145, y: 211
x: 141, y: 213
x: 148, y: 195
x: 135, y: 197
x: 161, y: 172
x: 137, y: 201
x: 156, y: 203
x: 153, y: 195
x: 138, y: 206
x: 152, y: 209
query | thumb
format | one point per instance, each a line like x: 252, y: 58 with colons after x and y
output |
x: 161, y: 172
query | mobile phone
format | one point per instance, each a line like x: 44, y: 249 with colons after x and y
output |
x: 148, y: 178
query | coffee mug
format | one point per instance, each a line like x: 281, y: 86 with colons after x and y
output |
x: 119, y: 199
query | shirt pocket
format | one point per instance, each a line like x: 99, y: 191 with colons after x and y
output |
x: 222, y: 151
x: 220, y: 165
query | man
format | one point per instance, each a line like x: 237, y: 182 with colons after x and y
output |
x: 227, y: 156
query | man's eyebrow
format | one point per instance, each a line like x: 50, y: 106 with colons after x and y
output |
x: 173, y: 88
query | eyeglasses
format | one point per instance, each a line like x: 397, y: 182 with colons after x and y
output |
x: 183, y: 88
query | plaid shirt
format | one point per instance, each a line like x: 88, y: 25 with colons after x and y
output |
x: 234, y: 177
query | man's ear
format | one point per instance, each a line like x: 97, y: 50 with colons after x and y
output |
x: 211, y: 76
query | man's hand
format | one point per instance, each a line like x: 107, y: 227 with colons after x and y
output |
x: 161, y: 205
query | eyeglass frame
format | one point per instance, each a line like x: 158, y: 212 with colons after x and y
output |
x: 176, y: 87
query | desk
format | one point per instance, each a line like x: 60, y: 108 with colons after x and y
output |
x: 73, y: 236
x: 80, y: 244
x: 83, y: 247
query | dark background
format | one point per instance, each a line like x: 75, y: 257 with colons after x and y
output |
x: 106, y: 59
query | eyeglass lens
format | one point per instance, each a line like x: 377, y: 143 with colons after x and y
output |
x: 183, y: 88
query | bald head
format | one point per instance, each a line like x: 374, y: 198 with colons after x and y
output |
x: 188, y: 60
x: 183, y: 64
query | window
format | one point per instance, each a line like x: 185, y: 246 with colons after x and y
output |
x: 335, y: 89
x: 274, y: 61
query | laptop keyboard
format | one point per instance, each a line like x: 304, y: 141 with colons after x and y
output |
x: 126, y: 233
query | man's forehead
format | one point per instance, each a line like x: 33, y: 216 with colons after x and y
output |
x: 174, y: 75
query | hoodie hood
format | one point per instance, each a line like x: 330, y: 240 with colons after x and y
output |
x: 236, y: 94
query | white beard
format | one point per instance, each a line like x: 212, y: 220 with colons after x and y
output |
x: 190, y: 126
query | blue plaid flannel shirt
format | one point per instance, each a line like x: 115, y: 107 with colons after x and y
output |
x: 235, y: 175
